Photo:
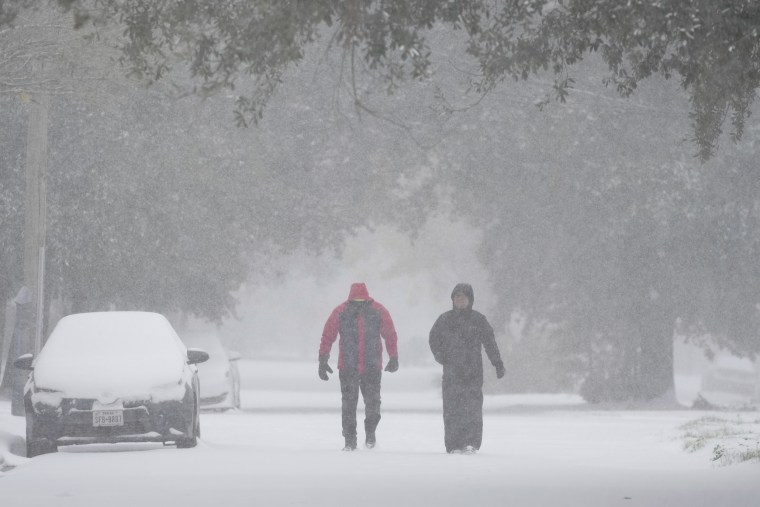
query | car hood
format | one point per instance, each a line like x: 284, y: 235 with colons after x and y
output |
x: 110, y: 357
x: 107, y: 377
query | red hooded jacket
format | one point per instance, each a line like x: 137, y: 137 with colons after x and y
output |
x: 361, y: 322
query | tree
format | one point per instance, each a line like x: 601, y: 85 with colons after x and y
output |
x: 554, y: 213
x: 142, y: 218
x: 709, y: 47
x: 11, y: 200
x: 597, y: 222
x: 582, y: 230
x: 157, y: 203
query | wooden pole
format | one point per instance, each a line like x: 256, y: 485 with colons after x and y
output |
x: 35, y: 211
x: 36, y: 208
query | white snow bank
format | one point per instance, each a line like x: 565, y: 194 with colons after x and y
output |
x: 12, y: 446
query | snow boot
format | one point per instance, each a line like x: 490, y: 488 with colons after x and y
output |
x: 370, y: 441
x: 350, y: 444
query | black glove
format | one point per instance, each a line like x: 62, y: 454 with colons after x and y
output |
x: 500, y: 371
x: 324, y: 368
x: 392, y: 365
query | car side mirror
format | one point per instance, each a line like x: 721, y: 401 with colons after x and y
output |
x: 234, y: 356
x: 24, y: 362
x: 195, y: 356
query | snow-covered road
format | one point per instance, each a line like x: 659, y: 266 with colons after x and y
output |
x: 284, y: 449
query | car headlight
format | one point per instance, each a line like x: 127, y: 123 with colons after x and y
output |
x: 46, y: 400
x: 173, y: 391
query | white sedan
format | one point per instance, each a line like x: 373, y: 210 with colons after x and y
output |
x: 111, y: 377
x: 219, y: 376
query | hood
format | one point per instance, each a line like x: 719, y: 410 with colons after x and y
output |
x: 466, y: 289
x: 358, y: 292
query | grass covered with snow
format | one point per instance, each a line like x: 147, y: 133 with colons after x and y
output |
x: 732, y: 439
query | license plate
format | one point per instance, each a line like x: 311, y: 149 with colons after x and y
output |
x: 108, y: 418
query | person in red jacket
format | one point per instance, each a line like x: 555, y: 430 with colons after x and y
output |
x: 361, y: 322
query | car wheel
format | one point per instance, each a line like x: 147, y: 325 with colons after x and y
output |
x: 236, y: 394
x: 36, y: 445
x: 192, y: 441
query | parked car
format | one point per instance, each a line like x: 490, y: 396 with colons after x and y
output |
x: 730, y: 382
x: 219, y: 376
x: 109, y: 377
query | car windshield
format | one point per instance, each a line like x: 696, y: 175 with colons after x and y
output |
x: 122, y: 353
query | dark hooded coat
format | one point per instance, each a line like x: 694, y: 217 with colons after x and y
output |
x: 457, y: 340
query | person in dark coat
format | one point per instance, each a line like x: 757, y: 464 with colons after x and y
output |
x: 456, y: 340
x: 361, y: 322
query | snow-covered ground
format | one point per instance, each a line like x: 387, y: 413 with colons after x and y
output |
x: 282, y: 448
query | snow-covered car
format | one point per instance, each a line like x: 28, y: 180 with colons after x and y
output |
x: 219, y: 376
x: 731, y: 382
x: 107, y: 377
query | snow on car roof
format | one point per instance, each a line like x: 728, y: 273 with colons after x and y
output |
x: 120, y: 353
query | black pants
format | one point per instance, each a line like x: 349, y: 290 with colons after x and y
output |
x: 369, y: 384
x: 462, y: 413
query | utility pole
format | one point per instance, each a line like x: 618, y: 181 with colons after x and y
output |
x: 35, y: 211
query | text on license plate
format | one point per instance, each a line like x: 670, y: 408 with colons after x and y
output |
x: 108, y: 418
